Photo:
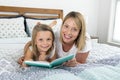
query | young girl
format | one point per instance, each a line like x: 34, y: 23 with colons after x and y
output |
x: 41, y: 47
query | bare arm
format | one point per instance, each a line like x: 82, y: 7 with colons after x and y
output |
x: 81, y: 57
x: 27, y: 46
x: 27, y: 55
x: 21, y: 59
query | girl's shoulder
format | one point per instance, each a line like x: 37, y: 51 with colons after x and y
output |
x: 30, y: 47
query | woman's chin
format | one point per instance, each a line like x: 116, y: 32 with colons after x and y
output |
x: 66, y: 41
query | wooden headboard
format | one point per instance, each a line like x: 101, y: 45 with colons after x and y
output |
x: 31, y: 12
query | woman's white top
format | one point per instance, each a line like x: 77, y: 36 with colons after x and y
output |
x: 74, y: 49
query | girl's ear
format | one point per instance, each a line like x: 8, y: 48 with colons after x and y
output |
x: 53, y: 23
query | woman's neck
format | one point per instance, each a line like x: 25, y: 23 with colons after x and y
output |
x: 66, y: 47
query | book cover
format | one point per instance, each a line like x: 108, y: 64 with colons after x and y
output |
x: 52, y: 64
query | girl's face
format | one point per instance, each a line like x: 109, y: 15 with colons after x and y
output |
x: 69, y: 31
x: 44, y: 41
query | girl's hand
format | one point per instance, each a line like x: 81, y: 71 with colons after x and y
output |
x: 21, y: 60
x: 71, y: 63
x: 42, y: 58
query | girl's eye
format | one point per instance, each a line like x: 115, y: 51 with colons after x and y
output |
x: 49, y: 39
x: 40, y: 39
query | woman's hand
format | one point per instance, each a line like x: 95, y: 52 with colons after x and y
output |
x: 71, y: 63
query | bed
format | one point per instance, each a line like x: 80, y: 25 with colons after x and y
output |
x: 16, y: 24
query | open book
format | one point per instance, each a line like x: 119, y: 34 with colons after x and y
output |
x: 52, y: 64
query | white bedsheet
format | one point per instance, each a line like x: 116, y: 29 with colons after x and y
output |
x: 102, y: 51
x: 101, y: 55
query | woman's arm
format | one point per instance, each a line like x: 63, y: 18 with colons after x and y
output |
x: 81, y: 57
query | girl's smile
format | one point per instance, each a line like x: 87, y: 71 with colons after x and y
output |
x: 44, y: 41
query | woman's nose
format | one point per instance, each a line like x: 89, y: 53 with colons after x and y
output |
x: 69, y: 31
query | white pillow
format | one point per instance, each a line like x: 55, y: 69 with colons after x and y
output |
x: 32, y: 22
x: 12, y: 27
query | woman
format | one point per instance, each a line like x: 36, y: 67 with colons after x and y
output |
x: 72, y: 38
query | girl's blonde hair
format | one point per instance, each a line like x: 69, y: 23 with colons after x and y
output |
x: 36, y: 29
x: 80, y: 22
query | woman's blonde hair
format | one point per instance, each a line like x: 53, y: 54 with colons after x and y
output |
x: 80, y: 22
x: 36, y: 29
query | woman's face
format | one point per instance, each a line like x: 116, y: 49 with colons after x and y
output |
x: 44, y: 41
x: 69, y: 31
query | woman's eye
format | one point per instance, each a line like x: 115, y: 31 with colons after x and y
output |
x: 74, y: 29
x: 65, y: 26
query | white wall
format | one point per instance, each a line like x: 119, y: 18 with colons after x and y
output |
x: 96, y: 12
x: 104, y: 19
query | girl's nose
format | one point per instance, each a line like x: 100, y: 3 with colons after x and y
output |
x: 45, y: 42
